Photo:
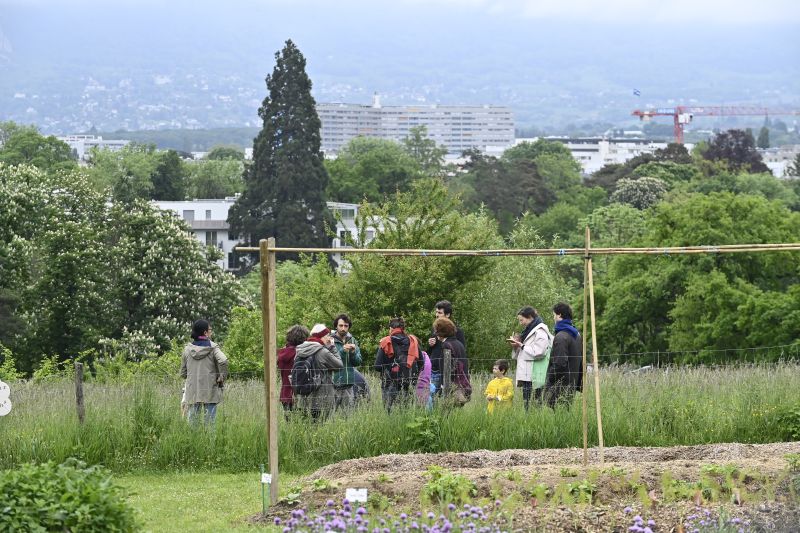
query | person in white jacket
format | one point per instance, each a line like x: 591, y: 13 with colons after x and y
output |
x: 531, y: 350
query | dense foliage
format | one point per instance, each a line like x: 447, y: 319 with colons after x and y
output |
x: 63, y: 497
x: 76, y: 269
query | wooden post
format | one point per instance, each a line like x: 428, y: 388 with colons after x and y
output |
x: 79, y: 392
x: 595, y: 365
x: 447, y: 370
x: 269, y: 326
x: 584, y: 412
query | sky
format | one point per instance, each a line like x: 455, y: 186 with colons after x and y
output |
x: 440, y: 44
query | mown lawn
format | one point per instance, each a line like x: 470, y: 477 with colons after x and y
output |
x: 202, y: 501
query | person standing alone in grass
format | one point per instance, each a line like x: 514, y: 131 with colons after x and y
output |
x: 347, y: 347
x: 295, y: 336
x: 205, y: 368
x: 500, y: 390
x: 565, y: 372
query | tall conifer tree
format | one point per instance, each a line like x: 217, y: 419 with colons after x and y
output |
x: 284, y: 194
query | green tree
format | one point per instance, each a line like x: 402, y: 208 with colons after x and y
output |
x: 508, y: 189
x: 25, y: 145
x: 426, y: 217
x: 736, y: 148
x: 368, y: 168
x: 423, y: 149
x: 645, y: 299
x: 128, y: 173
x: 214, y: 179
x: 224, y: 153
x: 763, y: 138
x: 169, y: 177
x: 284, y: 195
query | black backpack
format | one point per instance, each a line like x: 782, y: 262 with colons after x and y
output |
x: 304, y: 376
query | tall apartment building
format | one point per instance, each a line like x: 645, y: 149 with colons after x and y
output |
x: 82, y: 144
x: 459, y: 128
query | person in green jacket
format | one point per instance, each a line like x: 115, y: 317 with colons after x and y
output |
x: 347, y: 348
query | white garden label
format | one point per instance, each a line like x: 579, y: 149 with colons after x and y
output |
x: 266, y: 478
x: 5, y: 391
x: 5, y: 407
x: 356, y: 495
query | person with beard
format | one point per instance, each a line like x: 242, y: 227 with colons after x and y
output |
x: 565, y: 372
x: 530, y: 350
x: 350, y: 354
x: 442, y: 309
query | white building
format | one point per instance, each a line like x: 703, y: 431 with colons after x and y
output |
x: 779, y: 159
x: 209, y: 222
x: 82, y: 144
x: 593, y: 153
x: 459, y: 128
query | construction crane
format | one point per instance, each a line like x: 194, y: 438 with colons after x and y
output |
x: 683, y: 115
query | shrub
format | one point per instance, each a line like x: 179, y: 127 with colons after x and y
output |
x: 65, y: 497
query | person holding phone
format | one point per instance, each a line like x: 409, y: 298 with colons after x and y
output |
x: 531, y: 351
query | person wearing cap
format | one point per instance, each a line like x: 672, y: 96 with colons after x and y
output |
x: 205, y: 368
x: 319, y: 345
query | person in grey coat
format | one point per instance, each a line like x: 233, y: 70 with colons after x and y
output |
x: 320, y: 346
x: 205, y: 368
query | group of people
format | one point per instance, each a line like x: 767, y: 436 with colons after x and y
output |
x: 319, y: 367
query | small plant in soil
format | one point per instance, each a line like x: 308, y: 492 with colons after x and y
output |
x: 568, y: 472
x: 793, y: 460
x: 322, y: 484
x: 445, y: 487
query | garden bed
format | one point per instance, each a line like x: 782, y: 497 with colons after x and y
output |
x: 676, y: 488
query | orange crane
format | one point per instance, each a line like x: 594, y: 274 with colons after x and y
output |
x: 683, y: 115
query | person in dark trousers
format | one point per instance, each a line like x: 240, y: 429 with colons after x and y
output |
x: 295, y: 336
x: 398, y: 362
x: 442, y: 309
x: 565, y: 372
x: 319, y: 345
x: 460, y: 389
x: 350, y: 354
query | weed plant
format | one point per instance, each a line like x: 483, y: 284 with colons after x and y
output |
x: 137, y: 425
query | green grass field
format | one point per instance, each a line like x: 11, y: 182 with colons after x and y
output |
x: 137, y: 428
x: 193, y: 501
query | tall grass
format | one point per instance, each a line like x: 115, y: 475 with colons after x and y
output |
x: 137, y: 426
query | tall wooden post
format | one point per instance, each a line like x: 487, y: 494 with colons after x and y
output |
x: 79, y: 392
x: 269, y: 327
x: 595, y: 365
x: 584, y: 412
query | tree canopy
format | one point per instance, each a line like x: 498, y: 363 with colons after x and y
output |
x: 285, y: 186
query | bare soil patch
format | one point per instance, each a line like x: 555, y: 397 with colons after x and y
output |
x: 629, y: 482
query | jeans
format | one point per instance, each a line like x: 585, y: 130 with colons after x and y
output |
x: 210, y: 410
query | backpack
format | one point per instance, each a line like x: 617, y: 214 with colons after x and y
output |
x: 304, y: 376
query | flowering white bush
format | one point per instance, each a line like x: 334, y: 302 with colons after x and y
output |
x: 82, y: 269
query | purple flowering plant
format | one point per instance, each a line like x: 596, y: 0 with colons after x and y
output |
x: 467, y: 519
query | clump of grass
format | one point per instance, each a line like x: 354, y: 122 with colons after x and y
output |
x: 137, y: 426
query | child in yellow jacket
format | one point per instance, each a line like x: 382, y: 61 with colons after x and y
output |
x: 500, y: 390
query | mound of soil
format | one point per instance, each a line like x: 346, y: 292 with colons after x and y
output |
x: 630, y: 481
